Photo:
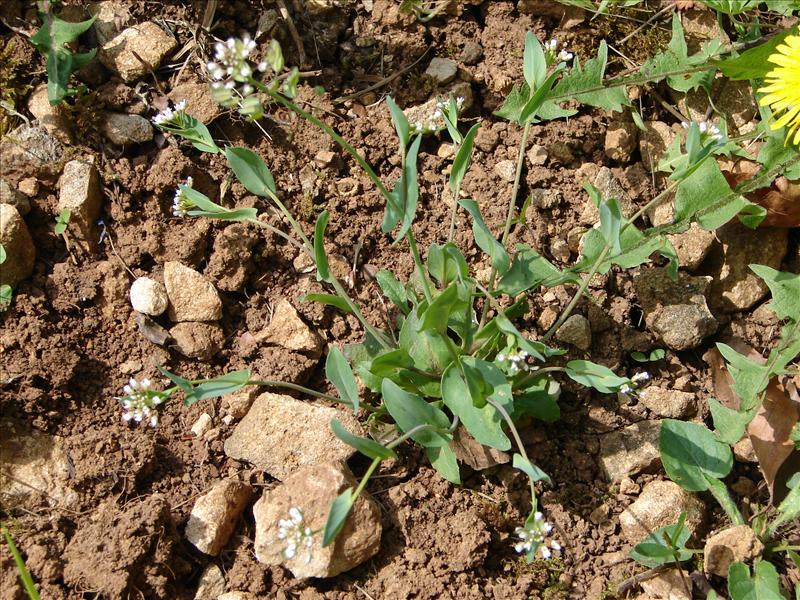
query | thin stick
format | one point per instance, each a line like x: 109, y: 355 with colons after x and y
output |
x: 301, y: 52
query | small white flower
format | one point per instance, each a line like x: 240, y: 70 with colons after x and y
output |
x: 295, y: 532
x: 180, y: 203
x: 545, y: 552
x: 139, y: 402
x: 565, y: 56
x: 640, y: 378
x: 533, y: 536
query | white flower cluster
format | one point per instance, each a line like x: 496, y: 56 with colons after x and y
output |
x: 139, y: 403
x: 435, y: 120
x: 170, y: 116
x: 533, y: 537
x: 230, y: 67
x: 706, y: 128
x: 296, y: 534
x: 637, y: 381
x: 180, y: 203
x: 550, y: 49
x: 514, y: 363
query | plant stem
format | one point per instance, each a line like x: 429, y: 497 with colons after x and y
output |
x: 512, y: 204
x: 358, y: 314
x: 721, y: 494
x: 293, y: 222
x: 454, y: 210
x: 426, y: 285
x: 512, y: 428
x: 298, y: 388
x: 280, y: 233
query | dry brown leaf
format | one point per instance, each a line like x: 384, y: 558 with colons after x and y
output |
x: 151, y: 330
x: 471, y: 452
x: 781, y: 199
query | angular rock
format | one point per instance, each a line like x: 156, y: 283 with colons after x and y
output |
x: 111, y: 15
x: 280, y: 434
x: 28, y: 187
x: 654, y: 142
x: 744, y: 452
x: 18, y: 245
x: 631, y: 450
x: 506, y: 170
x: 122, y: 129
x: 659, y: 504
x: 288, y: 330
x: 33, y: 465
x: 81, y: 194
x: 192, y: 297
x: 148, y: 296
x: 675, y: 310
x: 147, y: 40
x: 472, y: 53
x: 215, y: 513
x: 54, y: 118
x: 668, y: 585
x: 621, y: 140
x: 545, y: 198
x: 537, y: 155
x: 312, y: 490
x: 422, y: 112
x: 442, y: 70
x: 197, y: 339
x: 201, y: 425
x: 237, y: 596
x: 238, y: 403
x: 471, y: 452
x: 232, y: 259
x: 692, y: 246
x: 576, y: 331
x: 672, y: 404
x: 10, y: 196
x: 735, y: 287
x: 30, y: 150
x: 211, y: 585
x: 734, y: 544
x: 610, y: 187
x: 200, y: 104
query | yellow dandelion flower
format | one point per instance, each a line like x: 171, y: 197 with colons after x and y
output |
x: 782, y: 89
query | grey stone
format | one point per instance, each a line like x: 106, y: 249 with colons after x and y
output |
x: 659, y: 504
x: 672, y: 404
x: 192, y: 297
x: 609, y: 187
x: 80, y: 193
x: 280, y: 434
x: 211, y: 585
x: 215, y: 513
x: 18, y: 245
x: 30, y: 151
x: 111, y: 14
x: 442, y: 70
x: 545, y: 198
x: 288, y: 330
x: 200, y: 103
x: 668, y: 585
x: 122, y: 129
x: 692, y: 246
x: 312, y: 490
x: 472, y: 53
x: 576, y: 331
x: 10, y: 196
x: 506, y: 170
x: 422, y: 112
x: 735, y: 287
x: 734, y: 544
x: 653, y: 143
x: 675, y: 310
x: 147, y: 40
x: 630, y: 450
x: 198, y: 340
x: 148, y: 296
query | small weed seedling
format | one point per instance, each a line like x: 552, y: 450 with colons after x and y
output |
x: 6, y: 293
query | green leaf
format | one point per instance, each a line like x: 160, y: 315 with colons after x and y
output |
x: 530, y: 269
x: 539, y: 400
x: 577, y: 80
x: 410, y: 411
x: 339, y: 373
x: 655, y: 355
x: 785, y: 288
x: 24, y: 575
x: 595, y: 376
x: 219, y: 386
x: 393, y: 289
x: 534, y: 63
x: 400, y: 123
x: 290, y: 83
x: 465, y: 393
x: 729, y: 424
x: 212, y: 210
x: 183, y: 384
x: 401, y: 205
x: 538, y: 350
x: 749, y: 377
x: 251, y: 171
x: 427, y: 348
x: 752, y: 63
x: 3, y: 254
x: 610, y: 224
x: 461, y: 161
x: 692, y: 456
x: 484, y: 238
x: 662, y: 546
x: 340, y: 510
x: 366, y: 446
x: 452, y: 300
x: 534, y: 103
x: 446, y: 264
x: 6, y: 295
x: 533, y: 472
x: 320, y: 258
x: 329, y: 299
x: 443, y: 459
x: 764, y: 585
x: 699, y: 191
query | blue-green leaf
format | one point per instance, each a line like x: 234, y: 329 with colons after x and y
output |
x: 692, y: 456
x: 251, y: 171
x: 596, y: 376
x: 339, y: 373
x: 329, y: 299
x: 533, y: 472
x: 393, y: 289
x: 320, y: 257
x: 484, y: 238
x: 410, y: 411
x: 366, y: 446
x: 461, y: 161
x: 340, y: 510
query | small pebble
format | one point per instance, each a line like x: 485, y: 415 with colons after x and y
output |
x: 201, y: 425
x: 148, y: 296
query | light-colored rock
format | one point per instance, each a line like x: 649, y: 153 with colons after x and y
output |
x: 442, y: 70
x: 471, y: 452
x: 122, y: 129
x: 545, y: 198
x: 238, y: 596
x: 422, y: 112
x: 211, y: 585
x: 111, y: 15
x: 10, y: 196
x: 29, y: 186
x: 312, y: 490
x: 668, y: 586
x: 201, y: 425
x: 200, y: 103
x: 147, y: 40
x: 506, y: 170
x: 653, y: 143
x: 735, y: 287
x: 537, y: 155
x: 18, y: 245
x: 33, y: 466
x: 54, y: 118
x: 280, y: 434
x: 30, y: 150
x: 559, y: 249
x: 576, y: 331
x: 734, y: 544
x: 630, y: 450
x: 80, y: 193
x: 324, y: 157
x: 621, y: 140
x: 672, y: 404
x: 196, y: 339
x: 692, y: 246
x: 238, y: 403
x: 148, y: 296
x: 288, y: 330
x: 675, y: 310
x: 660, y: 503
x: 609, y: 187
x: 192, y: 297
x: 215, y: 513
x: 744, y: 452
